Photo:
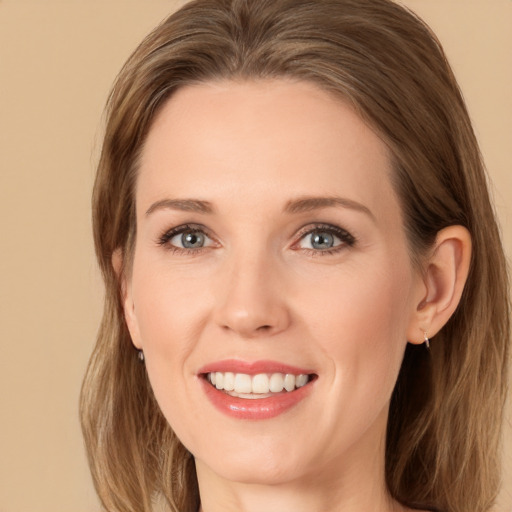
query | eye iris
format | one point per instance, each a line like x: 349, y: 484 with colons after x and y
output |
x: 322, y: 240
x: 192, y: 240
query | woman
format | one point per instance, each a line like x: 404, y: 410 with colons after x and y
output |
x: 306, y: 302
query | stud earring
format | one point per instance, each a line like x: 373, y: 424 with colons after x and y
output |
x: 140, y: 356
x: 426, y: 340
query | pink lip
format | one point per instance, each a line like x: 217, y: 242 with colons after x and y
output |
x: 252, y: 368
x: 253, y: 409
x: 257, y: 409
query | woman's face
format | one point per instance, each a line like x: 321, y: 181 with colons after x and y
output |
x: 270, y: 243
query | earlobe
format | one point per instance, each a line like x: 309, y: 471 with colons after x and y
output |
x: 446, y: 271
x: 126, y: 298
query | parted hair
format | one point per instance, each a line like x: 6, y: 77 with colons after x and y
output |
x: 444, y: 430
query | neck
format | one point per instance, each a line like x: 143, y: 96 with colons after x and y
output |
x: 351, y: 483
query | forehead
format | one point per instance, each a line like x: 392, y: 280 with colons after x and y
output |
x: 261, y: 140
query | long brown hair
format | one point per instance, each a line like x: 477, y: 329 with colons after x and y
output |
x: 446, y: 411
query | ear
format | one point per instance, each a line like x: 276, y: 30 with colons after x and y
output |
x: 442, y: 284
x: 126, y: 298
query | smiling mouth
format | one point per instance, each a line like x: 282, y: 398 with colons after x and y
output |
x: 261, y: 385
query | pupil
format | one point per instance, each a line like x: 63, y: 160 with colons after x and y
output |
x: 322, y: 241
x: 192, y: 240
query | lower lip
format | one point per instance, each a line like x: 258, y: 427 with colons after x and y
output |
x: 254, y: 409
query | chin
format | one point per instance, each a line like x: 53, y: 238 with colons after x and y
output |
x: 267, y: 470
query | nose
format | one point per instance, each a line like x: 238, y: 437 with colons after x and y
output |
x: 252, y: 299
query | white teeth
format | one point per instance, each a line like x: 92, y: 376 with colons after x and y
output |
x: 243, y: 383
x: 276, y: 384
x: 289, y: 382
x: 229, y: 381
x: 301, y: 380
x: 219, y: 380
x: 260, y: 384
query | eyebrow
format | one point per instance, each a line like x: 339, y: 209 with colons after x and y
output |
x: 185, y: 205
x: 310, y: 203
x: 299, y: 205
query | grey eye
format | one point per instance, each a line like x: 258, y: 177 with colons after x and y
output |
x: 192, y: 240
x: 322, y: 240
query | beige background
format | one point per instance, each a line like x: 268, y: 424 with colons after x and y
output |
x: 57, y: 61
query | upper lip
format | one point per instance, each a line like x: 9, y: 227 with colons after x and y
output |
x: 252, y: 367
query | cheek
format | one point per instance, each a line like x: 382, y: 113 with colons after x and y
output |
x: 170, y: 319
x: 167, y: 306
x: 360, y: 304
x: 360, y: 321
x: 166, y: 310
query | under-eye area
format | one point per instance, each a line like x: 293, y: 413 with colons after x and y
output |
x: 261, y: 385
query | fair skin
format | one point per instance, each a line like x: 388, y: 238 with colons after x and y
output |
x: 235, y: 261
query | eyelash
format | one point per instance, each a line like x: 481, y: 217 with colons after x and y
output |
x: 171, y: 233
x: 347, y: 240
